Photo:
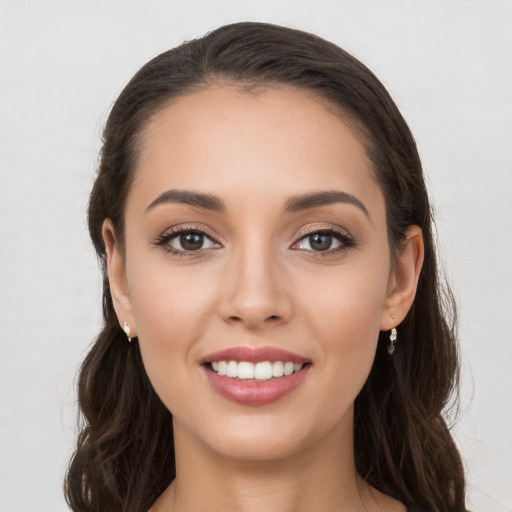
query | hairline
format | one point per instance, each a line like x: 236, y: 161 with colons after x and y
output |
x: 255, y: 88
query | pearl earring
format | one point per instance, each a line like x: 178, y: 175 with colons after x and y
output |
x: 392, y: 341
x: 127, y: 329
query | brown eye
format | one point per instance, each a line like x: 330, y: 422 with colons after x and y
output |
x: 329, y: 240
x: 187, y: 241
x: 191, y: 241
x: 320, y: 241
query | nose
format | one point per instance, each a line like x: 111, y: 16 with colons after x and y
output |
x: 255, y: 294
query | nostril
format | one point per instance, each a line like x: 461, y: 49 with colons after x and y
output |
x: 235, y: 319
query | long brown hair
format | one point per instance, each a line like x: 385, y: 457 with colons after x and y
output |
x: 125, y: 455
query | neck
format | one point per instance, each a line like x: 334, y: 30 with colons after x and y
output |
x: 320, y: 477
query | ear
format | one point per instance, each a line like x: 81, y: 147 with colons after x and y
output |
x: 117, y: 278
x: 403, y: 280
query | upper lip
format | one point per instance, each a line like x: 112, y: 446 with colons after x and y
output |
x: 255, y: 355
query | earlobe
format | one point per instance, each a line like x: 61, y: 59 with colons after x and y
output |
x: 117, y: 278
x: 404, y: 278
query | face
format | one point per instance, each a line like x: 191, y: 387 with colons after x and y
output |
x: 255, y: 233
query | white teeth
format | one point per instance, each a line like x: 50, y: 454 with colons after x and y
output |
x: 222, y: 367
x: 232, y: 369
x: 278, y: 369
x: 264, y: 370
x: 245, y: 370
x: 288, y: 368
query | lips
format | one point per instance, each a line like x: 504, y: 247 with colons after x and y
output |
x: 255, y: 376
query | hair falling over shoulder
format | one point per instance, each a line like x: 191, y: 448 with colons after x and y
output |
x: 124, y: 457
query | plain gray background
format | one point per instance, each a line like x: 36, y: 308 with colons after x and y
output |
x: 447, y: 64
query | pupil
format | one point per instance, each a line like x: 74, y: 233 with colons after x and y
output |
x: 320, y: 242
x: 191, y: 241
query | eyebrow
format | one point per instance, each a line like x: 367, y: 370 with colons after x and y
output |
x: 197, y: 199
x: 293, y: 205
x: 314, y: 200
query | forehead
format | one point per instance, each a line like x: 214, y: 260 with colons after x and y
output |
x: 271, y: 142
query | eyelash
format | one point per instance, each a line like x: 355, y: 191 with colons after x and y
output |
x: 346, y: 240
x: 164, y: 240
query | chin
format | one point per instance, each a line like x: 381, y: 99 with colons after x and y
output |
x: 267, y: 436
x: 259, y: 447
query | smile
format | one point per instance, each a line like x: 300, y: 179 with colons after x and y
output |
x: 255, y: 376
x: 245, y: 370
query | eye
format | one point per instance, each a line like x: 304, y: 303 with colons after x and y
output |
x: 324, y: 240
x: 186, y: 240
x: 191, y: 241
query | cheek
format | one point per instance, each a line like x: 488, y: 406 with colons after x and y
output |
x: 347, y: 303
x: 168, y: 301
x: 344, y: 313
x: 172, y: 311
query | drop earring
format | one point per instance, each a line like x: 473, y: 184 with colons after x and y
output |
x: 127, y: 330
x: 392, y: 341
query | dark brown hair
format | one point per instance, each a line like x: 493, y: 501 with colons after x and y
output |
x: 125, y: 456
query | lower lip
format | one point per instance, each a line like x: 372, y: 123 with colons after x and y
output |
x: 254, y: 392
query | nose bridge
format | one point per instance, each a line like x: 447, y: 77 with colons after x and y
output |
x: 255, y: 289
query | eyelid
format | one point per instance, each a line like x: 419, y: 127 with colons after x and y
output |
x: 171, y: 233
x: 322, y: 228
x: 346, y: 239
x: 342, y: 235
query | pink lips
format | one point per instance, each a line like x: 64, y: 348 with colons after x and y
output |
x: 252, y: 392
x: 254, y: 355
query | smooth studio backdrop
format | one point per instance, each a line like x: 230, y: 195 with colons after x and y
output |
x: 448, y: 65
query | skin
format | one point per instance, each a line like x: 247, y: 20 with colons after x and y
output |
x: 259, y: 283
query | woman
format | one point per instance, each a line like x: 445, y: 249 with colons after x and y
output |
x: 275, y: 335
